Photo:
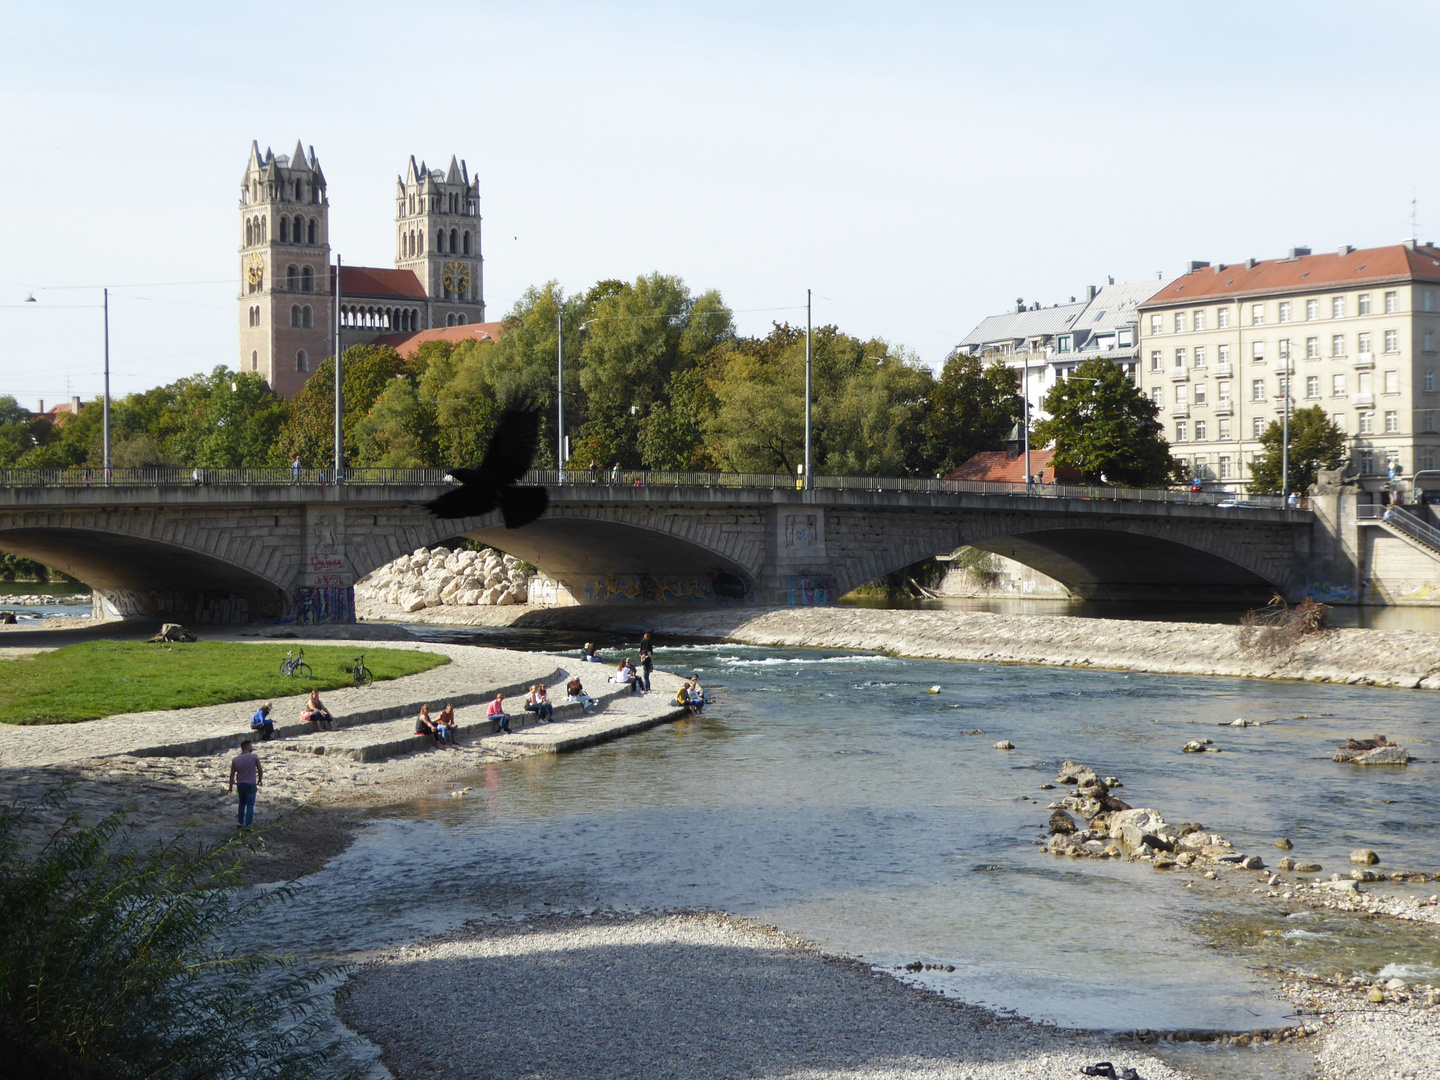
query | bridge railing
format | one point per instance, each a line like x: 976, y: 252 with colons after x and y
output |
x: 172, y: 477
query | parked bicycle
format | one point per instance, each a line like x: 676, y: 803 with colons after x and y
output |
x: 295, y: 665
x: 359, y: 672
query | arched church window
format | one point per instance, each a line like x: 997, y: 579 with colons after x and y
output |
x: 459, y: 320
x: 254, y: 360
x: 249, y: 232
x: 420, y: 243
x: 302, y: 363
x: 295, y: 315
x: 440, y: 241
x: 299, y: 197
x: 313, y: 231
x: 305, y: 317
x: 284, y: 230
x: 467, y: 242
x: 307, y: 280
x: 264, y: 227
x: 454, y: 240
x: 450, y: 319
x: 292, y: 275
x: 299, y: 230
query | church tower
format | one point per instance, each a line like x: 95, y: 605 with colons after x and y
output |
x: 437, y: 237
x: 285, y: 303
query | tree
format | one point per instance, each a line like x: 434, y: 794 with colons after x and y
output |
x: 972, y: 408
x: 309, y: 432
x: 1101, y: 424
x: 1315, y: 443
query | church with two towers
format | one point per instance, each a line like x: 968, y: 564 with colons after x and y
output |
x: 287, y: 284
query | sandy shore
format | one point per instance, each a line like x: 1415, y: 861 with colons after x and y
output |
x: 1397, y: 658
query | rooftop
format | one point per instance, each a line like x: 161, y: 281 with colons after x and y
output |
x: 378, y: 282
x: 407, y: 345
x: 1302, y: 273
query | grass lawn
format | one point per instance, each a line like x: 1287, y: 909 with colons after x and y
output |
x: 103, y: 678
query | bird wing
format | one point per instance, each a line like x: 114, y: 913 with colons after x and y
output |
x: 512, y: 447
x: 466, y: 501
x: 522, y: 505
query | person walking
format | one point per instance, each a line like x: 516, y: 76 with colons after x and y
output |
x: 247, y: 774
x: 295, y: 470
x: 647, y: 659
x: 592, y: 471
x: 262, y: 723
x: 615, y: 475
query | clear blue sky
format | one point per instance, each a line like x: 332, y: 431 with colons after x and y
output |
x: 919, y: 166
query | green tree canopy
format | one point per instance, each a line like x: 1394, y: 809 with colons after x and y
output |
x: 972, y: 407
x: 1101, y: 424
x: 1315, y: 444
x: 309, y: 433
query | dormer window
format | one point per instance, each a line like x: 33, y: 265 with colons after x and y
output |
x: 1064, y: 343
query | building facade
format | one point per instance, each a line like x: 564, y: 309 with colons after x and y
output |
x: 1354, y: 331
x: 287, y: 277
x: 1046, y: 344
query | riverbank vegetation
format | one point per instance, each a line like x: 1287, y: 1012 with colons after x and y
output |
x: 106, y: 678
x: 112, y: 964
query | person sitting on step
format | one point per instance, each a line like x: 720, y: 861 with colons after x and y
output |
x: 316, y: 713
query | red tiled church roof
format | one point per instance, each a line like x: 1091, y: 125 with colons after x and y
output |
x: 378, y: 282
x: 1396, y: 262
x: 408, y: 344
x: 998, y: 467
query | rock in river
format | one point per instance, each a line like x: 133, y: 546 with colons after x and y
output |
x: 1364, y: 857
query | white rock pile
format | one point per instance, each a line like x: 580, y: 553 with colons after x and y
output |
x: 439, y: 577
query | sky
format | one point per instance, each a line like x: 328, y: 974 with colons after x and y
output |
x: 917, y: 166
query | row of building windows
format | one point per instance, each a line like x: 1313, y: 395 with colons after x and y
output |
x: 300, y: 191
x: 412, y: 244
x: 300, y: 231
x: 1286, y: 311
x: 453, y: 203
x: 379, y: 318
x: 255, y: 316
x: 299, y: 279
x: 1339, y: 347
x: 1339, y: 387
x: 1364, y: 426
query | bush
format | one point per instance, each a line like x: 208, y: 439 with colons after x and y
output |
x: 1277, y: 627
x: 110, y: 966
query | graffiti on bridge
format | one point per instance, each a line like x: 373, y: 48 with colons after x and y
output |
x: 819, y: 589
x: 713, y: 586
x: 324, y: 604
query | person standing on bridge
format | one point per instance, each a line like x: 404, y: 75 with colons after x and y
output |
x: 295, y: 468
x: 593, y: 479
x: 246, y: 773
x: 615, y: 475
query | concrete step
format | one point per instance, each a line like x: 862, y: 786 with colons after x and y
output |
x: 398, y: 736
x: 352, y: 719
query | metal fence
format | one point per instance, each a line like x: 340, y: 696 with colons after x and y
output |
x: 1401, y: 519
x: 637, y: 478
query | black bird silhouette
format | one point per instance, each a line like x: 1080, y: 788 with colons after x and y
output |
x: 481, y: 490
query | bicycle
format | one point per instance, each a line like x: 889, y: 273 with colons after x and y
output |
x: 295, y: 665
x: 359, y: 672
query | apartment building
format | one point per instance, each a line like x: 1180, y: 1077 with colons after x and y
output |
x: 1047, y: 343
x: 1354, y: 331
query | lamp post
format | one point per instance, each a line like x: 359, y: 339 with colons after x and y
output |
x: 1284, y: 396
x: 560, y: 386
x: 339, y: 404
x: 105, y: 408
x: 809, y: 484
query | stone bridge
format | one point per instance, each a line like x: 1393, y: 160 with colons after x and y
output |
x: 238, y: 552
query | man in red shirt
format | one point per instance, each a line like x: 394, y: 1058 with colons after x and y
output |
x: 247, y: 773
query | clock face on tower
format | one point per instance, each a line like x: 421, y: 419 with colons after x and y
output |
x: 255, y: 270
x: 456, y: 278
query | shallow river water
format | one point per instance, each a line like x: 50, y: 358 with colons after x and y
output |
x: 832, y: 795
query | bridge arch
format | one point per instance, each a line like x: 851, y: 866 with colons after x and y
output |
x: 139, y: 576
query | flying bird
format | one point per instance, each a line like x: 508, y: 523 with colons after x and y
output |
x: 481, y: 490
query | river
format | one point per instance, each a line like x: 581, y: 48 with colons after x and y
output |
x: 834, y: 796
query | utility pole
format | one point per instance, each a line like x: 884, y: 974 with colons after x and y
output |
x: 1025, y: 383
x: 808, y: 482
x: 105, y: 408
x: 560, y: 386
x: 339, y: 404
x: 1285, y: 436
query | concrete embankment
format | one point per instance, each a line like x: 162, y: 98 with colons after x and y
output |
x: 1398, y: 658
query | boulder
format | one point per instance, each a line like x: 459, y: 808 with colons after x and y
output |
x: 1344, y: 885
x: 1004, y: 744
x: 1252, y: 862
x: 1073, y: 773
x: 1382, y: 755
x: 1195, y: 841
x: 1287, y: 864
x: 411, y: 602
x: 1061, y: 823
x: 1144, y: 818
x: 1284, y: 844
x: 1364, y: 857
x: 1308, y: 868
x: 419, y: 557
x: 467, y: 598
x: 505, y: 599
x: 1359, y: 874
x: 1195, y: 746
